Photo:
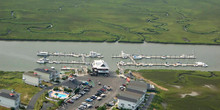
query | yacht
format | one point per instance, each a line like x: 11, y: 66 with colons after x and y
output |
x: 201, y: 64
x: 95, y: 54
x: 124, y: 55
x: 137, y: 57
x: 41, y: 53
x: 43, y: 60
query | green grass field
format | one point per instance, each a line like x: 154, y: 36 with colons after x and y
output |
x: 188, y: 81
x: 164, y: 21
x: 13, y: 80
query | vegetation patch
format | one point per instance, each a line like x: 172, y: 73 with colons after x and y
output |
x: 187, y: 89
x: 13, y: 80
x: 162, y: 21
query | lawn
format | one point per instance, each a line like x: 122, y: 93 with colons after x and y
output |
x: 163, y: 21
x: 13, y: 80
x: 206, y: 84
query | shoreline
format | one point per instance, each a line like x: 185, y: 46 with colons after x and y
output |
x: 127, y: 42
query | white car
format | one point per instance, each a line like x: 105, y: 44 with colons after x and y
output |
x: 84, y: 103
x: 102, y: 95
x: 89, y: 105
x: 99, y: 98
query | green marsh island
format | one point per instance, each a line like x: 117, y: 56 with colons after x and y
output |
x: 135, y: 21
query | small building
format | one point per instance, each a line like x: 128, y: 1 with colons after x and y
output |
x: 31, y: 78
x: 133, y: 96
x: 47, y: 74
x: 100, y: 67
x: 9, y: 99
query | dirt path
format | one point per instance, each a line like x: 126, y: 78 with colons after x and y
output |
x: 137, y: 75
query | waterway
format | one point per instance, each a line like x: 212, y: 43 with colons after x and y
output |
x: 21, y: 55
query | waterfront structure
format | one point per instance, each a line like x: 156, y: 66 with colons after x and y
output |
x: 133, y: 96
x: 32, y: 78
x: 9, y: 99
x: 100, y: 66
x: 47, y: 74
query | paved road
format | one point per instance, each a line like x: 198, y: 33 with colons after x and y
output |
x: 36, y: 96
x: 149, y: 100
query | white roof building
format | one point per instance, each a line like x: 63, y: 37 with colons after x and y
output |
x: 100, y: 66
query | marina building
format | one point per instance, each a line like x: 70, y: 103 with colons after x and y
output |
x: 9, y: 99
x: 32, y: 78
x: 100, y: 67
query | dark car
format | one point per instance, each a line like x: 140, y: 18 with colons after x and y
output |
x: 98, y: 94
x: 93, y: 97
x: 96, y: 107
x: 86, y: 90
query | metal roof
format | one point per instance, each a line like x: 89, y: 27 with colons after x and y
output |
x: 32, y: 74
x: 6, y: 93
x: 46, y: 70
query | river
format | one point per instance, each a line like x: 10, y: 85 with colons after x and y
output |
x: 21, y: 55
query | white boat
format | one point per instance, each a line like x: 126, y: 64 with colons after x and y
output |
x: 137, y: 57
x: 167, y: 65
x: 124, y: 55
x: 43, y: 60
x: 163, y: 57
x: 201, y: 64
x: 95, y: 54
x: 150, y: 64
x: 147, y: 57
x: 43, y: 53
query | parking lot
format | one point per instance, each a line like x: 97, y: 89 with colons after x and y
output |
x: 113, y: 81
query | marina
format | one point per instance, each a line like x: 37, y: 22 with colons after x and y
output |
x: 21, y: 56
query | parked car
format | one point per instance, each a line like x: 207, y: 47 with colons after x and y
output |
x: 89, y: 100
x: 84, y: 104
x: 110, y: 104
x: 93, y: 97
x: 102, y: 95
x: 99, y: 83
x: 89, y: 105
x: 75, y: 97
x: 98, y: 94
x: 86, y: 90
x: 81, y: 107
x: 96, y: 107
x: 99, y: 98
x: 70, y: 101
x: 82, y: 92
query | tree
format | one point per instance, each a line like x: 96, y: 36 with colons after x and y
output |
x: 102, y: 108
x: 77, y: 90
x: 60, y: 102
x: 56, y: 94
x: 55, y: 88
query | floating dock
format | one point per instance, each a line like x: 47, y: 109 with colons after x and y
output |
x: 91, y: 54
x: 138, y: 57
x: 45, y: 61
x: 196, y: 64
